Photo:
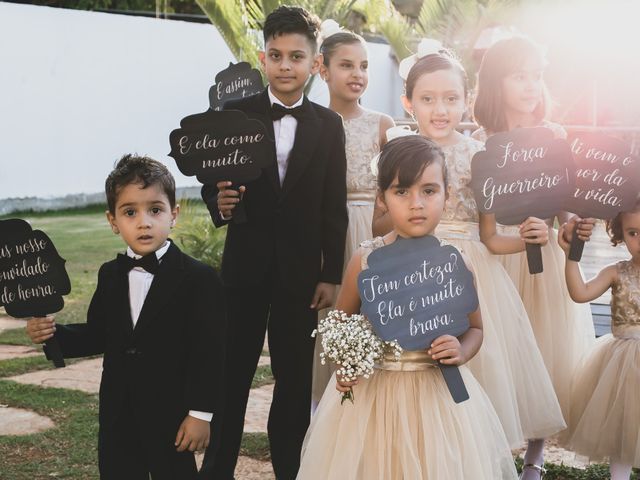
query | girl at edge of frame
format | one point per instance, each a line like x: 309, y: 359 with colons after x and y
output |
x: 345, y: 69
x: 512, y: 94
x: 605, y: 410
x: 509, y: 366
x: 403, y: 422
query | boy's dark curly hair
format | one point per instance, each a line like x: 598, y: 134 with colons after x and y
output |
x: 287, y: 19
x: 145, y: 171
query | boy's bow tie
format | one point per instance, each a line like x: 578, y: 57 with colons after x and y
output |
x: 278, y: 111
x: 148, y: 262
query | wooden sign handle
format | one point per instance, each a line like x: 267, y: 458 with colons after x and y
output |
x: 453, y: 379
x: 54, y: 352
x: 577, y: 246
x: 534, y: 257
x: 239, y: 212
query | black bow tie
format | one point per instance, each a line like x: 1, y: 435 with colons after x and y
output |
x: 278, y: 111
x: 148, y: 262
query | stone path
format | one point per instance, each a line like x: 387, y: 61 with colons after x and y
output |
x: 18, y: 351
x: 8, y: 323
x: 84, y: 376
x: 16, y: 421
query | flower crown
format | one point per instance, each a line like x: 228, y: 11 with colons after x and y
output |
x: 427, y: 46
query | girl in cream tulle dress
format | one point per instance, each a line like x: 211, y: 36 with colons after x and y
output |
x: 509, y: 365
x: 403, y: 423
x: 511, y: 93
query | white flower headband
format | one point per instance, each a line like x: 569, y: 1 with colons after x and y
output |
x: 327, y: 28
x: 393, y: 132
x: 427, y: 46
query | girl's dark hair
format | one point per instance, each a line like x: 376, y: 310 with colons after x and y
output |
x: 407, y: 157
x: 332, y: 42
x: 134, y: 169
x: 444, y: 60
x: 614, y: 225
x: 502, y: 59
x: 285, y: 19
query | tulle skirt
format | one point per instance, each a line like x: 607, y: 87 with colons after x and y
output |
x: 360, y: 209
x: 509, y: 365
x: 405, y: 426
x: 605, y: 413
x: 563, y: 329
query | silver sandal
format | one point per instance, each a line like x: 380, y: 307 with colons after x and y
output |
x: 539, y: 468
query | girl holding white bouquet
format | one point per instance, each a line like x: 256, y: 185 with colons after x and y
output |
x: 403, y: 422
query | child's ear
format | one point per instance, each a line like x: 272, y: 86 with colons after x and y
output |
x: 406, y: 104
x: 174, y: 215
x: 112, y: 221
x: 324, y: 71
x: 261, y: 57
x: 380, y: 204
x: 317, y: 61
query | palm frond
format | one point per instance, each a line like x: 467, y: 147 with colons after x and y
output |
x: 231, y: 18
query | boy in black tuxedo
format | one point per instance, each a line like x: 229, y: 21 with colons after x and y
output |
x: 159, y: 318
x: 282, y: 264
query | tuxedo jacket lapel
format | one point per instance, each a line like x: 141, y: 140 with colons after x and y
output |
x: 170, y: 275
x: 303, y: 147
x: 120, y: 300
x: 262, y: 112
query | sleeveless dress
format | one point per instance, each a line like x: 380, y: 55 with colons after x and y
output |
x: 404, y: 425
x: 605, y: 411
x: 509, y: 365
x: 362, y: 143
x: 563, y: 329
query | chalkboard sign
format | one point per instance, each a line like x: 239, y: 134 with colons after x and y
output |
x: 523, y: 173
x: 238, y: 80
x: 607, y: 180
x: 217, y: 146
x: 32, y: 275
x: 416, y: 290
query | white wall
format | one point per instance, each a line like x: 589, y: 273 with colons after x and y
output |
x: 79, y: 89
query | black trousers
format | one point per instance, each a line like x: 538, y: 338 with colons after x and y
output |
x: 127, y: 450
x: 289, y: 321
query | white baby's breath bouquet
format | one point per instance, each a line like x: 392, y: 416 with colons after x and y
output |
x: 349, y: 341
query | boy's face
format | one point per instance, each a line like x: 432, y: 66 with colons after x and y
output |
x: 288, y: 61
x: 143, y: 216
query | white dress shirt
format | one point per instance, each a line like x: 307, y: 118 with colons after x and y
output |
x: 284, y: 131
x: 139, y: 284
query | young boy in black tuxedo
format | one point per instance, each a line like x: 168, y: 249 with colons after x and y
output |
x: 158, y: 316
x: 282, y: 264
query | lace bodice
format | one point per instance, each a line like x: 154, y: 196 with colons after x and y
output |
x: 461, y: 205
x: 362, y: 143
x: 625, y: 296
